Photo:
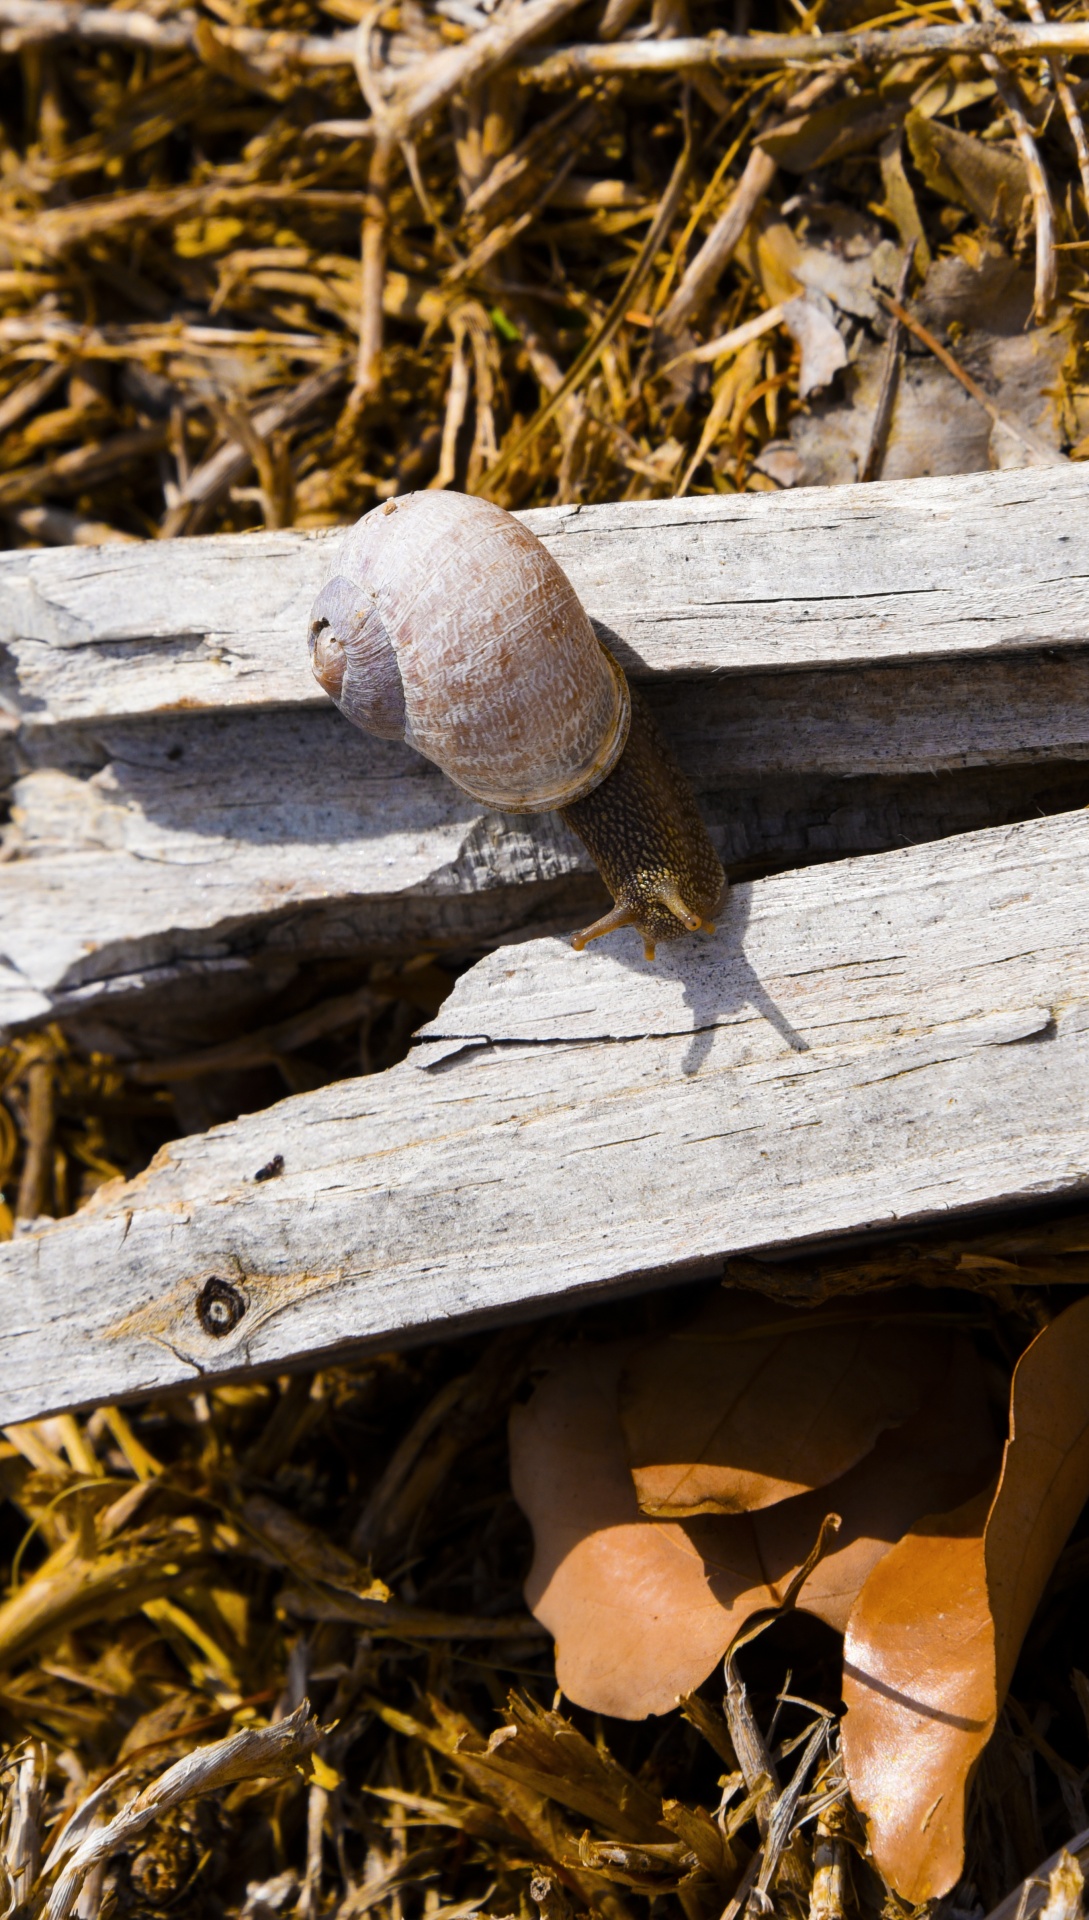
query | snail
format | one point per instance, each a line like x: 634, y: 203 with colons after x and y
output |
x: 444, y: 622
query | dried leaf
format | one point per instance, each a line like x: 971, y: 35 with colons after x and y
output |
x: 748, y: 1404
x: 641, y: 1609
x: 989, y: 181
x: 810, y: 323
x: 850, y: 125
x: 944, y: 1453
x: 934, y: 1635
x: 900, y: 202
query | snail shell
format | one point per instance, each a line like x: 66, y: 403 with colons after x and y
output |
x: 446, y: 623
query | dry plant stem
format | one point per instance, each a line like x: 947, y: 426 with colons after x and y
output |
x: 954, y: 367
x: 259, y: 1048
x: 226, y: 467
x: 82, y: 467
x: 460, y: 69
x: 36, y: 1183
x: 26, y: 23
x: 1031, y: 1896
x: 402, y: 1622
x: 317, y: 1806
x: 780, y: 1841
x: 703, y: 272
x: 732, y: 342
x: 1066, y: 1886
x: 722, y: 406
x: 617, y: 15
x: 373, y: 274
x: 1067, y: 101
x: 610, y: 325
x: 876, y: 46
x: 712, y: 258
x: 756, y: 1763
x: 875, y: 452
x: 828, y: 1899
x: 23, y: 400
x: 36, y: 22
x: 22, y: 1840
x: 1046, y: 262
x: 421, y: 1462
x: 56, y: 527
x: 254, y: 1753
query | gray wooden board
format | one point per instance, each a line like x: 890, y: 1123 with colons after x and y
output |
x: 880, y: 1041
x: 187, y: 801
x: 725, y: 584
x: 187, y: 842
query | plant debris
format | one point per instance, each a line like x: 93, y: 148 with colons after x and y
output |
x: 264, y: 1648
x: 265, y: 264
x: 184, y: 1575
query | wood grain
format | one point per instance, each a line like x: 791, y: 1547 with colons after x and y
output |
x: 909, y: 570
x: 168, y: 847
x: 875, y: 1042
x: 839, y: 672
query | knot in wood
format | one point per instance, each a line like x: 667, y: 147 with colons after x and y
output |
x: 220, y: 1307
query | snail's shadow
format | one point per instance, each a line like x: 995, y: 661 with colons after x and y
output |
x: 718, y: 980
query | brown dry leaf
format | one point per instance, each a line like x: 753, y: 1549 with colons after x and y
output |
x: 748, y: 1405
x: 809, y: 321
x: 943, y: 1454
x: 815, y: 139
x: 978, y: 298
x: 935, y: 1632
x: 989, y: 181
x: 641, y: 1609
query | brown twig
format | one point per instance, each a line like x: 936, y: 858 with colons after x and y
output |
x: 1046, y: 264
x: 704, y: 270
x: 708, y: 265
x: 83, y: 466
x: 226, y: 467
x: 267, y: 1044
x: 874, y: 46
x: 1067, y: 101
x: 26, y: 23
x: 1036, y: 447
x: 433, y: 83
x: 253, y: 1753
x: 36, y: 1182
x: 875, y: 452
x: 56, y: 527
x: 373, y: 273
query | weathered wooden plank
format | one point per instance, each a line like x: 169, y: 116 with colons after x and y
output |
x: 184, y: 842
x: 874, y: 1042
x: 904, y: 571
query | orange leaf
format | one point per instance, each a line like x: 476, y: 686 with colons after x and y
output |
x: 750, y: 1404
x: 640, y: 1615
x: 936, y: 1630
x: 946, y: 1452
x: 643, y: 1609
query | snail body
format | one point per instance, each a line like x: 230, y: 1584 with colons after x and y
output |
x: 444, y: 622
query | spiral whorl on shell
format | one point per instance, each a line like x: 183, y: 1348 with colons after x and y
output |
x: 446, y: 623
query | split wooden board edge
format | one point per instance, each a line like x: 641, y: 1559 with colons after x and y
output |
x: 904, y: 570
x: 189, y: 807
x: 876, y: 1042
